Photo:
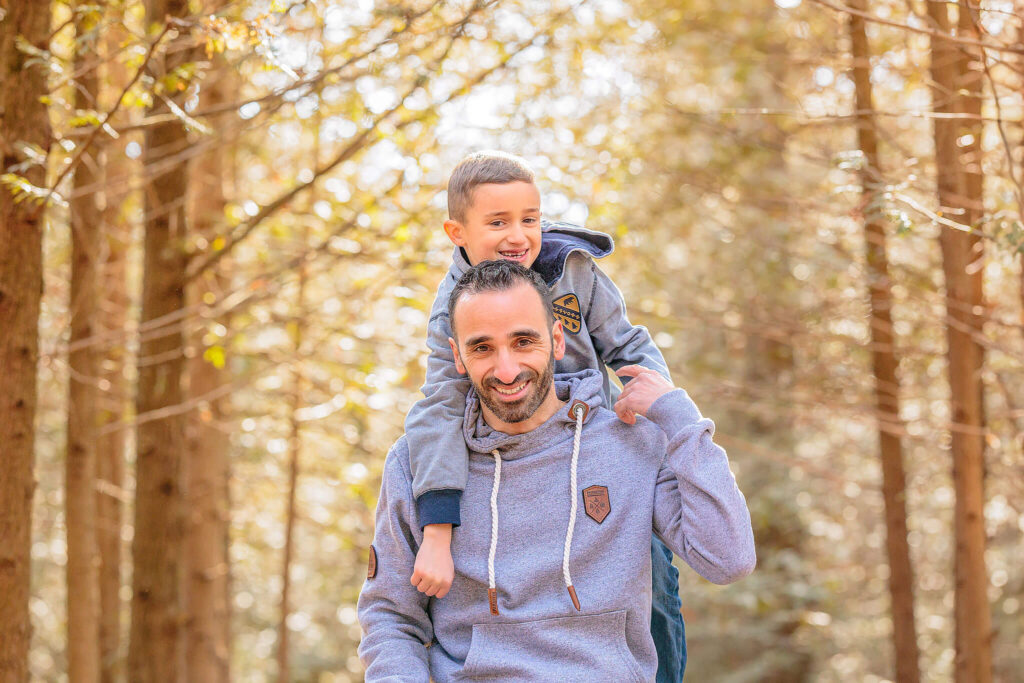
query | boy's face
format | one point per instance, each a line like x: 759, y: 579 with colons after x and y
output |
x: 502, y: 222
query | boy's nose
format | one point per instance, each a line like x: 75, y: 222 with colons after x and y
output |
x: 516, y: 235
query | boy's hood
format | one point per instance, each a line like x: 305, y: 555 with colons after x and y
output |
x: 585, y: 386
x: 558, y: 241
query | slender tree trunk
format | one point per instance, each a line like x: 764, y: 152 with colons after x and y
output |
x: 156, y: 648
x: 23, y: 119
x: 115, y: 400
x: 959, y: 181
x: 80, y: 497
x: 884, y: 363
x: 295, y: 441
x: 208, y: 639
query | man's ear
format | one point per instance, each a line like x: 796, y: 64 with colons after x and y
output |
x: 456, y: 232
x: 455, y: 352
x: 558, y: 339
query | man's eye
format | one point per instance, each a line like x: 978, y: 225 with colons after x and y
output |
x: 524, y: 342
x: 479, y: 349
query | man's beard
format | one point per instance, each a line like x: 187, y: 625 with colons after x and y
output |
x: 524, y: 408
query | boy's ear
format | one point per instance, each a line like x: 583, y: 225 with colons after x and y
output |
x: 456, y: 232
x: 558, y: 339
x: 455, y: 352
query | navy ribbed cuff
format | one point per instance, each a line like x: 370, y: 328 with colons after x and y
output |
x: 439, y: 507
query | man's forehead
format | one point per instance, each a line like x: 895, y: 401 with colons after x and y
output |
x: 499, y: 312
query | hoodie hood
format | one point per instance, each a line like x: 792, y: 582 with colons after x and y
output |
x: 584, y: 386
x: 558, y: 241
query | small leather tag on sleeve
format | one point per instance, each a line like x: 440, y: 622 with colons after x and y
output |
x: 371, y: 568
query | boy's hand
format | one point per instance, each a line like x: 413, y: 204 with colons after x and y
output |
x: 646, y: 387
x: 434, y: 570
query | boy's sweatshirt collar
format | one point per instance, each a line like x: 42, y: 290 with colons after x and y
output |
x: 585, y: 386
x: 558, y: 241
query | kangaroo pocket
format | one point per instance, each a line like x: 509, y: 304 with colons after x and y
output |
x: 588, y: 648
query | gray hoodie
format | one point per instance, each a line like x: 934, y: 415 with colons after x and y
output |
x: 664, y: 473
x: 597, y: 333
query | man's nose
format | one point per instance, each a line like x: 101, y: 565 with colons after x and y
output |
x: 507, y: 369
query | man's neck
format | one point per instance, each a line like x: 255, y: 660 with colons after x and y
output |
x: 549, y: 407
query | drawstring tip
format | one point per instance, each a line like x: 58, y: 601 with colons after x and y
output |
x: 575, y: 600
x: 492, y: 597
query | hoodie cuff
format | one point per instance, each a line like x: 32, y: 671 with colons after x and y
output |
x: 673, y: 412
x: 439, y: 507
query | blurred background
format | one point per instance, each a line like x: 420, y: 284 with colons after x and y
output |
x: 817, y: 210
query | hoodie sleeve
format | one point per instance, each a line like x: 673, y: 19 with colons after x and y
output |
x: 433, y: 427
x: 616, y: 340
x: 392, y: 613
x: 699, y: 511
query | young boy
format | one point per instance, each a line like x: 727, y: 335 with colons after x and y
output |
x: 494, y: 213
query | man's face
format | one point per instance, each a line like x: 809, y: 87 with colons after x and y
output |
x: 502, y: 222
x: 508, y: 348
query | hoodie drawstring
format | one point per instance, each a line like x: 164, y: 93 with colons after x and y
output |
x: 492, y: 591
x: 579, y: 411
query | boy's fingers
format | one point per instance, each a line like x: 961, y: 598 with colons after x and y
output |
x: 443, y: 592
x: 630, y: 371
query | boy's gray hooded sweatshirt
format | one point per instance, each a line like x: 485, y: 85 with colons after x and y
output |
x: 664, y: 473
x: 597, y: 333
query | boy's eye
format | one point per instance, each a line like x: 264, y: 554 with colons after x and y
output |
x: 497, y: 223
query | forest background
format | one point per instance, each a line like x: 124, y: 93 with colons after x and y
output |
x: 220, y: 238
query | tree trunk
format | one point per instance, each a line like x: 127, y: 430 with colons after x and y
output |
x: 884, y: 364
x: 115, y: 400
x: 959, y: 181
x: 156, y: 648
x: 23, y: 119
x: 208, y: 639
x: 80, y: 497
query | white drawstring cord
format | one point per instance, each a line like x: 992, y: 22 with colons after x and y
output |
x: 579, y: 411
x: 492, y: 591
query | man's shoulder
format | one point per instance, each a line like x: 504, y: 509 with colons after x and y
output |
x: 397, y: 460
x: 644, y: 438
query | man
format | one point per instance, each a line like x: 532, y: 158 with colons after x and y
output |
x: 553, y: 580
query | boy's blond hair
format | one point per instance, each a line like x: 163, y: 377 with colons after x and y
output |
x: 481, y: 168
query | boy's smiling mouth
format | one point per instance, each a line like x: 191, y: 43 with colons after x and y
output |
x: 518, y: 255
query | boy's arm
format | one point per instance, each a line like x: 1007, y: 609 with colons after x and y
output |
x: 392, y: 613
x: 617, y: 341
x: 437, y: 448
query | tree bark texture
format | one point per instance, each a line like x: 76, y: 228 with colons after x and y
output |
x: 958, y: 167
x: 23, y: 120
x: 208, y: 639
x: 116, y: 397
x: 156, y: 646
x: 80, y: 483
x: 884, y: 365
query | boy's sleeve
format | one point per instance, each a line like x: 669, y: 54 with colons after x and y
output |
x: 392, y: 613
x: 437, y: 448
x: 699, y: 511
x: 616, y: 340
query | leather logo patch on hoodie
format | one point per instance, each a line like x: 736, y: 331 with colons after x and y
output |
x: 371, y: 568
x: 596, y: 503
x: 567, y: 310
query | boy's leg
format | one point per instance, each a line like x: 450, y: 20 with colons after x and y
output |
x: 667, y: 626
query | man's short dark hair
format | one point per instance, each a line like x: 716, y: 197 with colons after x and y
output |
x: 481, y: 168
x: 498, y: 276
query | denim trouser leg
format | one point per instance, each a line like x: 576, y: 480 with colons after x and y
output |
x: 667, y: 627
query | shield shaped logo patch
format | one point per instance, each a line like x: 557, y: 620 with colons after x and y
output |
x: 567, y: 309
x: 596, y: 503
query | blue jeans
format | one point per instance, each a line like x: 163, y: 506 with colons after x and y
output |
x: 667, y: 626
